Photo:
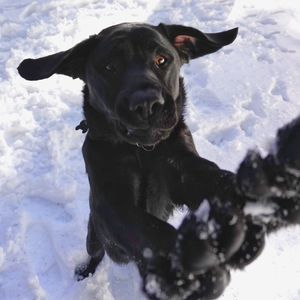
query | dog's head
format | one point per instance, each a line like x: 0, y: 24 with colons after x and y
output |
x: 132, y: 73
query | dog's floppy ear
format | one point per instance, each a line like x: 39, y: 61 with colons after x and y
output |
x: 192, y: 43
x: 70, y: 62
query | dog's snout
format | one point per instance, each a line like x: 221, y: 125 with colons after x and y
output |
x: 146, y: 103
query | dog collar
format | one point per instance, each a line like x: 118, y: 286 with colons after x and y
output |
x: 146, y: 148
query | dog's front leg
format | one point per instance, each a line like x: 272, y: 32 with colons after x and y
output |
x: 116, y: 218
x: 191, y: 178
x: 95, y: 249
x: 197, y: 267
x: 219, y: 235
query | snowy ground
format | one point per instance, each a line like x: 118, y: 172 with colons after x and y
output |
x: 238, y: 98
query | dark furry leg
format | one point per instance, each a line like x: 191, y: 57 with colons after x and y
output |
x: 95, y: 250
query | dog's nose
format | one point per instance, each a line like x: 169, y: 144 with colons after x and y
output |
x: 145, y: 103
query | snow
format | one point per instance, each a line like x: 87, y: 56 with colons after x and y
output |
x: 202, y: 213
x: 238, y: 98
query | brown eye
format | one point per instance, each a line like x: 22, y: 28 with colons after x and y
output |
x: 160, y: 60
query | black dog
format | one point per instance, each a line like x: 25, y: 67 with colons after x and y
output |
x: 142, y: 163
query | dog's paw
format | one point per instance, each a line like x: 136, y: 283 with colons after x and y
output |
x: 198, y: 266
x: 273, y: 182
x: 82, y: 271
x: 87, y: 269
x: 210, y: 236
x: 252, y: 177
x: 162, y: 281
x: 165, y: 281
x: 277, y: 175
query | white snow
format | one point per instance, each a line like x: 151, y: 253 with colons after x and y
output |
x: 202, y: 213
x: 238, y: 98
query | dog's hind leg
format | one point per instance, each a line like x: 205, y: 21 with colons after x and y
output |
x: 96, y: 252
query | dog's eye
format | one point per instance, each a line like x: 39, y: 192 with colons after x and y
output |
x: 160, y: 60
x: 110, y: 68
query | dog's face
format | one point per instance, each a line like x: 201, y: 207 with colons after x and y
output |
x: 132, y: 72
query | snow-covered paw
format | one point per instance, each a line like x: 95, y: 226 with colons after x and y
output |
x: 210, y: 236
x: 252, y: 177
x: 81, y: 272
x: 198, y: 266
x: 162, y: 281
x: 274, y: 181
x: 88, y: 268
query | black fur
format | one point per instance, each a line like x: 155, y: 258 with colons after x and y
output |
x: 133, y: 105
x: 142, y: 163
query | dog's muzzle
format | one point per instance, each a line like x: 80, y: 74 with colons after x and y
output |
x: 146, y: 117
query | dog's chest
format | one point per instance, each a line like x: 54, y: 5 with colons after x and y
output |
x: 153, y: 192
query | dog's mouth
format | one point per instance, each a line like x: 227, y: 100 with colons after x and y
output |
x: 144, y: 138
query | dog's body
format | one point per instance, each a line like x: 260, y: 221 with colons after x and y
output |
x: 146, y: 186
x: 136, y: 188
x: 139, y: 154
